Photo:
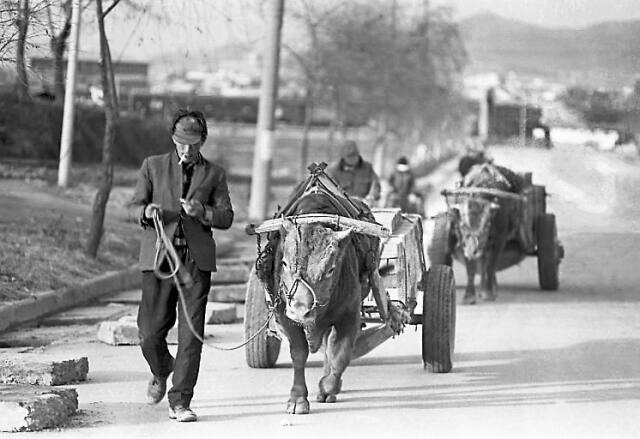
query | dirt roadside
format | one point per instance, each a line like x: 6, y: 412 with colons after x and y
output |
x: 43, y: 231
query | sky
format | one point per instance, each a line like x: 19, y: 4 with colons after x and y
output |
x: 192, y: 27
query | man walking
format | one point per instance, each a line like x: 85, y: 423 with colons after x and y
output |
x: 190, y: 196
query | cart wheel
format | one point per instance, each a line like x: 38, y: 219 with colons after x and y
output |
x: 549, y: 253
x: 438, y: 250
x: 439, y: 320
x: 261, y: 352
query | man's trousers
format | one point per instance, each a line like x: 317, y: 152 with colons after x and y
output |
x: 157, y: 315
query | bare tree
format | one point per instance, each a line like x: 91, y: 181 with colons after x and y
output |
x: 19, y: 28
x: 22, y: 23
x: 400, y: 74
x: 312, y: 18
x: 58, y: 36
x: 96, y: 229
x: 8, y: 30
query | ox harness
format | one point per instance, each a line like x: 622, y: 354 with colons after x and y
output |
x: 321, y: 187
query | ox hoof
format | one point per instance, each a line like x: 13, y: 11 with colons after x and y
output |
x: 298, y: 406
x: 469, y: 299
x: 324, y: 397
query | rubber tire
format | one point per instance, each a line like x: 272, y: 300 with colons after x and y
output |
x: 439, y: 320
x: 539, y: 200
x: 438, y: 249
x: 548, y: 257
x: 261, y: 352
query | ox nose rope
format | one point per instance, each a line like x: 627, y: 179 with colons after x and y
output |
x: 290, y: 292
x: 166, y: 251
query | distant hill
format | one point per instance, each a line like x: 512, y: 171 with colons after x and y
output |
x: 606, y: 54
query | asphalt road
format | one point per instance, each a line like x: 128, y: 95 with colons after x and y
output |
x: 562, y: 364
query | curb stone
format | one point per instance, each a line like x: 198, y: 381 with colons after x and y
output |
x: 41, y: 369
x: 22, y: 311
x: 50, y: 302
x: 29, y: 408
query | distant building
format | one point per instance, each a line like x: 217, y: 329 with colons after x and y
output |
x: 130, y: 76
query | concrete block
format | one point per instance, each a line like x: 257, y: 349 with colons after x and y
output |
x: 29, y: 408
x: 227, y: 262
x: 124, y: 332
x: 42, y: 369
x: 229, y: 274
x: 228, y: 293
x: 240, y: 311
x: 219, y: 313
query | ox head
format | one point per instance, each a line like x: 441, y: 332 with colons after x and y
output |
x: 312, y: 256
x: 473, y: 218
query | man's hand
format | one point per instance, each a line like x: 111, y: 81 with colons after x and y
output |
x: 193, y: 208
x: 150, y: 209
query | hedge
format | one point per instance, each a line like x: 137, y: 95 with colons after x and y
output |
x: 32, y: 130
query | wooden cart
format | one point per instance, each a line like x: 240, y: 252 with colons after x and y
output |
x: 424, y: 296
x: 537, y: 233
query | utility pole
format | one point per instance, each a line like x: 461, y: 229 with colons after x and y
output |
x: 66, y: 139
x: 523, y: 122
x: 265, y: 132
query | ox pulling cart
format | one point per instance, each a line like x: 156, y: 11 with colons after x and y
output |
x: 405, y: 290
x: 535, y: 235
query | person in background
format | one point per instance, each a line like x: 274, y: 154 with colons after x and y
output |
x: 190, y: 196
x: 355, y: 175
x: 403, y: 189
x: 402, y: 181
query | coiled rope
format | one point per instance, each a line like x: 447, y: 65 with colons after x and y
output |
x: 182, y: 278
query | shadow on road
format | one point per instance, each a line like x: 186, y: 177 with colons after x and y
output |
x: 598, y: 371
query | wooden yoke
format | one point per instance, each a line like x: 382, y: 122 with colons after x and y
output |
x: 358, y: 226
x: 482, y: 191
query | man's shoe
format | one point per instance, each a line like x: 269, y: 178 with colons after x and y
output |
x: 182, y: 414
x: 156, y: 389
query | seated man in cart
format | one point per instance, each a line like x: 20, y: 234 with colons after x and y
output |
x: 355, y: 175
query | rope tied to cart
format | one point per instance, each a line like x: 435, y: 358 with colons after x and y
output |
x: 165, y: 250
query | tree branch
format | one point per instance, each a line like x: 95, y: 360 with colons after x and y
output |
x: 110, y: 8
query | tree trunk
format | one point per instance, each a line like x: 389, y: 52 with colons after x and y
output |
x: 111, y: 115
x: 58, y: 45
x: 22, y: 86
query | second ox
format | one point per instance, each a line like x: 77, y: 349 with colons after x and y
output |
x: 486, y: 215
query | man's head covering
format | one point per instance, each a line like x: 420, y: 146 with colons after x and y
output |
x: 349, y: 150
x: 189, y: 128
x: 403, y: 161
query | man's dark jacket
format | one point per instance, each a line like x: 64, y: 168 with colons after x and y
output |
x: 359, y: 180
x: 160, y: 181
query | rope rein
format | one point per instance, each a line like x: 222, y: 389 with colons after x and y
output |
x: 166, y: 251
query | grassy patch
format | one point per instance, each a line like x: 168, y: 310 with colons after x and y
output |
x: 45, y: 254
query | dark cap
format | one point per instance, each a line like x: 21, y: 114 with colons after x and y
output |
x: 187, y: 131
x: 403, y: 161
x: 349, y: 149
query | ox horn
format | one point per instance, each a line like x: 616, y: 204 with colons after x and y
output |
x: 358, y: 226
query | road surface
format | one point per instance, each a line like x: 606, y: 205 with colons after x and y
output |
x: 534, y: 364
